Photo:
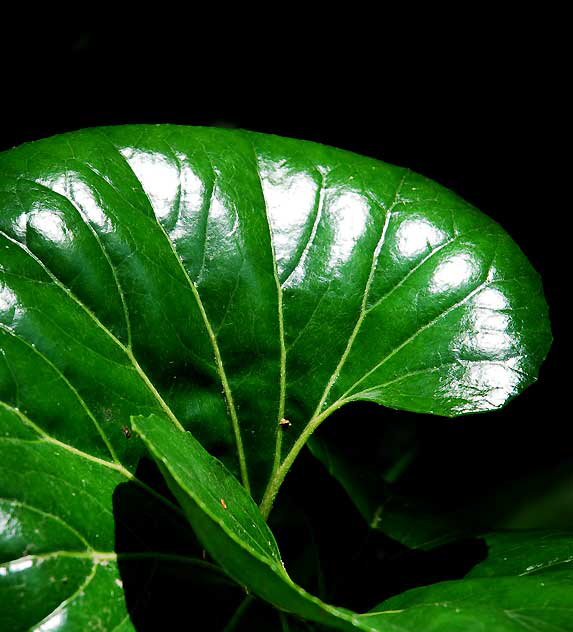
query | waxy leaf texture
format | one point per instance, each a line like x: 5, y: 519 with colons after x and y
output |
x: 240, y: 285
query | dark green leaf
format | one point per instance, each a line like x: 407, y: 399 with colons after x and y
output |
x: 58, y: 548
x: 541, y: 499
x: 412, y: 521
x: 503, y: 593
x: 418, y: 519
x: 230, y: 280
x: 525, y: 553
x: 228, y: 522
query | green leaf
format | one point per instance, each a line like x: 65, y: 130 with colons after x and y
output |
x: 58, y: 549
x: 527, y: 579
x: 229, y: 280
x: 525, y: 584
x: 506, y: 604
x: 228, y: 522
x: 526, y: 553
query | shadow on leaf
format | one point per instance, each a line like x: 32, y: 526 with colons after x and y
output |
x: 161, y: 592
x: 345, y: 562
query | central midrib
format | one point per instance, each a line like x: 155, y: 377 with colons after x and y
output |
x: 210, y: 333
x: 280, y: 315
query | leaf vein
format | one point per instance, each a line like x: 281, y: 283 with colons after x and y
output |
x: 280, y: 315
x: 418, y: 332
x: 69, y: 385
x: 99, y: 242
x: 78, y: 592
x: 362, y: 312
x: 210, y: 333
x: 318, y: 210
x: 52, y: 516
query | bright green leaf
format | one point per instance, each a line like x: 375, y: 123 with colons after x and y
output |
x: 525, y: 584
x: 230, y: 280
x: 58, y: 558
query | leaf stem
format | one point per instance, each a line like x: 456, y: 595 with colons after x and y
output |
x: 279, y: 475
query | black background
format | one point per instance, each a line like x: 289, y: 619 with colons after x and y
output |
x: 477, y: 105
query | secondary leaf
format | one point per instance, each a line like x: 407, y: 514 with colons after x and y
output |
x: 58, y: 550
x: 412, y: 521
x: 525, y: 584
x: 526, y: 580
x: 228, y: 522
x: 506, y: 604
x: 526, y: 553
x: 428, y: 508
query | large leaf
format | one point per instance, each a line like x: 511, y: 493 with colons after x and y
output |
x: 231, y: 280
x: 525, y: 583
x: 59, y: 557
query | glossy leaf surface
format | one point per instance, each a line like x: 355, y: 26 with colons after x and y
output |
x: 231, y: 280
x: 58, y: 534
x: 504, y: 605
x: 57, y: 539
x: 154, y: 245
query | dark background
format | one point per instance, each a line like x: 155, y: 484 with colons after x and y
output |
x: 477, y: 105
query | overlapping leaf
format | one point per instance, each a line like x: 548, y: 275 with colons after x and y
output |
x: 230, y: 280
x: 525, y: 583
x: 58, y: 533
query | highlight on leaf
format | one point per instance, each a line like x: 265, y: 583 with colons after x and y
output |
x: 241, y: 287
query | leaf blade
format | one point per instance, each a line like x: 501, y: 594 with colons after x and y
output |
x: 228, y: 522
x: 184, y: 271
